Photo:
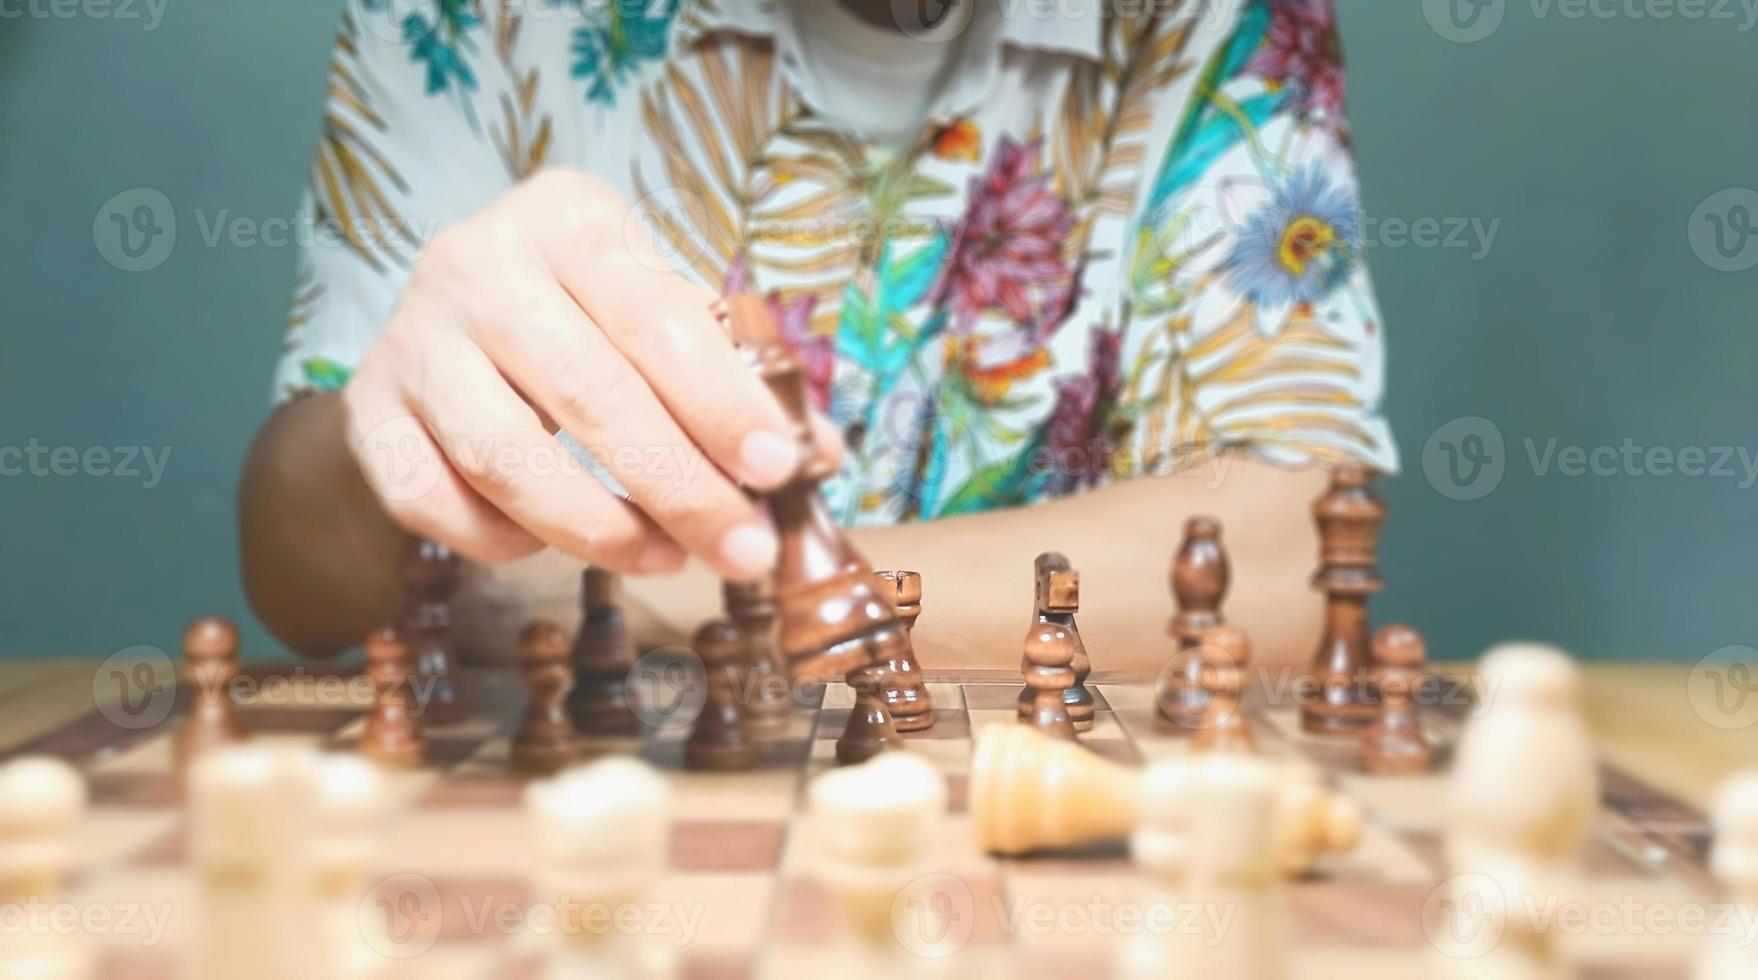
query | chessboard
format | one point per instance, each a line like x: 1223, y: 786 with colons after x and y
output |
x: 740, y: 895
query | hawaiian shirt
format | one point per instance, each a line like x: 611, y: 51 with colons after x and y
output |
x: 1127, y: 241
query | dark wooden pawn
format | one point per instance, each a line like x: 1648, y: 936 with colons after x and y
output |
x: 869, y: 730
x: 1337, y: 695
x: 719, y: 740
x: 1199, y: 579
x: 430, y: 579
x: 1395, y: 744
x: 1048, y: 666
x: 546, y: 740
x: 602, y: 657
x: 393, y: 734
x: 905, y: 691
x: 767, y: 693
x: 210, y: 664
x: 1225, y: 652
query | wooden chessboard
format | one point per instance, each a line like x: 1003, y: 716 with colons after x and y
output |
x: 741, y: 870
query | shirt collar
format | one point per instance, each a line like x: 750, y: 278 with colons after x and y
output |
x: 1063, y: 28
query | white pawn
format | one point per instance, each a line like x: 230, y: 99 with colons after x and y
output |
x: 1525, y: 791
x: 601, y: 832
x: 342, y: 806
x: 1732, y: 953
x: 238, y: 838
x: 42, y: 800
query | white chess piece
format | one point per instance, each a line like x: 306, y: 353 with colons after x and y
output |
x: 342, y: 804
x: 1525, y: 791
x: 601, y: 833
x: 42, y: 801
x: 1730, y: 952
x: 238, y: 842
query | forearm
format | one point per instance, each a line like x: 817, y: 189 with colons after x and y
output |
x: 320, y: 556
x: 977, y: 574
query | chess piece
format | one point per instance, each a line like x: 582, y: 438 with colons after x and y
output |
x: 1394, y: 744
x: 1057, y: 597
x: 430, y: 578
x: 1225, y: 652
x: 393, y: 735
x: 719, y: 740
x: 905, y: 692
x: 1030, y: 791
x: 1339, y: 696
x: 601, y: 833
x: 210, y: 665
x: 1313, y: 822
x: 603, y: 656
x: 768, y: 696
x: 1732, y: 953
x: 1524, y: 795
x: 1199, y: 580
x: 874, y: 826
x: 238, y: 831
x: 342, y: 808
x: 1048, y: 666
x: 833, y: 620
x: 546, y: 740
x: 42, y: 801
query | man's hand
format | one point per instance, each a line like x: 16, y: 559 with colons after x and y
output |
x: 552, y: 307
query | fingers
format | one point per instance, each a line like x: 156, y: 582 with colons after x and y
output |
x: 499, y: 446
x: 563, y: 362
x: 404, y: 467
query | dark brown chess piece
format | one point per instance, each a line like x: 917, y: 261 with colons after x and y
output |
x: 393, y: 735
x: 719, y: 741
x: 1199, y: 580
x: 834, y: 622
x: 1338, y: 697
x: 902, y: 685
x: 768, y: 696
x: 602, y: 657
x: 1048, y: 666
x: 1395, y: 744
x: 210, y: 664
x: 1058, y: 598
x: 1225, y: 652
x: 430, y: 579
x: 547, y: 739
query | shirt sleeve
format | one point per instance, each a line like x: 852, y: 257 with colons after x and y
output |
x: 408, y: 145
x: 1249, y: 266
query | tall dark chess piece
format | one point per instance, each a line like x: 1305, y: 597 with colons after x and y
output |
x: 603, y: 656
x: 1339, y: 696
x: 834, y: 622
x: 1199, y: 580
x: 1057, y: 594
x: 210, y: 663
x: 546, y: 740
x: 393, y: 734
x: 430, y: 578
x: 751, y: 607
x: 905, y: 690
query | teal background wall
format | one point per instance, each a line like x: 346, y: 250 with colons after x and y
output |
x: 1595, y: 315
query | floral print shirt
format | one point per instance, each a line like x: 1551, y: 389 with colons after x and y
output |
x: 1127, y: 240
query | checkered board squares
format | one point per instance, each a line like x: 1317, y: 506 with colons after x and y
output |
x: 741, y: 897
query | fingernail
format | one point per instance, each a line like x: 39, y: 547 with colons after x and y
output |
x: 768, y: 459
x: 748, y: 550
x: 659, y: 556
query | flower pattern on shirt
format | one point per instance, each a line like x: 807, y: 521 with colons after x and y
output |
x: 1117, y: 263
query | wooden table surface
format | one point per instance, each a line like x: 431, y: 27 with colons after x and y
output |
x: 1641, y: 715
